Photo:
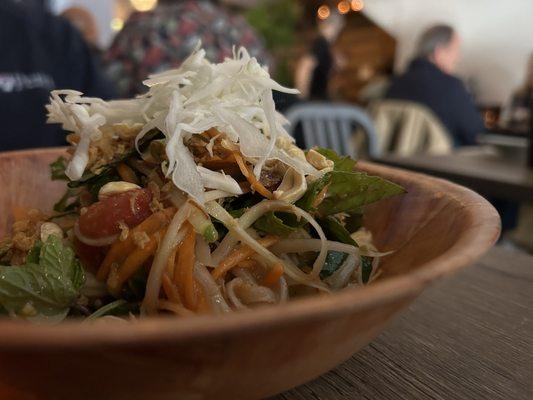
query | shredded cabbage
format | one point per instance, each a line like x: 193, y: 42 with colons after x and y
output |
x: 234, y: 96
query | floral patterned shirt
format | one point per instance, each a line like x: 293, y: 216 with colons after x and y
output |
x: 154, y: 41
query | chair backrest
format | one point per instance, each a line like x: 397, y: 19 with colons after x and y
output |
x: 407, y: 128
x: 332, y: 125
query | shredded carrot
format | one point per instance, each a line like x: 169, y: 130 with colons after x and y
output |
x: 248, y: 263
x: 203, y: 306
x: 127, y: 174
x: 171, y: 291
x: 120, y: 249
x: 250, y: 177
x: 240, y: 254
x: 134, y: 262
x: 273, y: 275
x: 183, y: 271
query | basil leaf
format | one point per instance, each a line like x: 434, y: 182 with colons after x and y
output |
x: 343, y: 163
x: 42, y: 292
x: 334, y: 230
x: 333, y: 262
x: 280, y: 224
x: 348, y: 191
x: 308, y: 200
x: 366, y: 268
x: 353, y: 221
x: 57, y: 169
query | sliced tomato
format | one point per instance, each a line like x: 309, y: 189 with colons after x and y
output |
x: 90, y: 256
x: 102, y: 218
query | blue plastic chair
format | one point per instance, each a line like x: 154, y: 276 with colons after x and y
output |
x: 332, y: 125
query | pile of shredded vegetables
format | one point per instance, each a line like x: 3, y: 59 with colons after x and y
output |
x: 192, y: 198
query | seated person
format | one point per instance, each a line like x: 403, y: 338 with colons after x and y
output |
x: 40, y: 53
x: 429, y: 81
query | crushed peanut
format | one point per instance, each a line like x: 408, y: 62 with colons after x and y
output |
x: 140, y: 239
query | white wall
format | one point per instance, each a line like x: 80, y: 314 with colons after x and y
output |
x: 102, y: 11
x: 497, y: 37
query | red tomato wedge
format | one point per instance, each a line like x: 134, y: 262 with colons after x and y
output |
x: 90, y: 256
x: 102, y: 218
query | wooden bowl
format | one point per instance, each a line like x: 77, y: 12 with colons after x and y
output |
x: 435, y: 229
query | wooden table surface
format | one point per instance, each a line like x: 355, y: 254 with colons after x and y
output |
x: 467, y: 337
x: 489, y: 174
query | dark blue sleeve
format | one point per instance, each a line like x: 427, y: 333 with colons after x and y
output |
x: 467, y: 119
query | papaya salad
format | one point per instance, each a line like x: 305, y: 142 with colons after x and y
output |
x: 189, y: 199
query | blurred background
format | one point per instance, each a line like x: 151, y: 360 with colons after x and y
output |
x: 439, y: 87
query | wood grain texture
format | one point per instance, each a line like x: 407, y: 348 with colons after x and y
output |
x: 490, y: 175
x: 435, y: 229
x: 468, y: 337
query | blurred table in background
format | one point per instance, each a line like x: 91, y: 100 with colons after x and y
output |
x: 467, y: 337
x: 490, y: 174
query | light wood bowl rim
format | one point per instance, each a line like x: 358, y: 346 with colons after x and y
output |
x: 469, y: 245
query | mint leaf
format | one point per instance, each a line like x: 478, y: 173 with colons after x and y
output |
x: 340, y: 163
x: 348, y: 191
x: 43, y: 291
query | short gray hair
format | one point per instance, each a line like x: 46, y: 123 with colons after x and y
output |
x: 436, y: 36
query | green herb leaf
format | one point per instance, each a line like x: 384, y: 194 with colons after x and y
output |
x: 353, y: 221
x: 348, y: 191
x: 64, y: 204
x: 280, y: 224
x: 57, y: 169
x: 34, y: 253
x: 343, y: 163
x: 334, y: 230
x: 307, y: 201
x: 95, y: 182
x: 42, y: 292
x: 333, y: 262
x: 366, y: 268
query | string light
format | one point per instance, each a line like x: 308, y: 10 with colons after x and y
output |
x: 117, y: 24
x: 143, y: 5
x: 323, y: 12
x: 343, y: 6
x: 357, y: 5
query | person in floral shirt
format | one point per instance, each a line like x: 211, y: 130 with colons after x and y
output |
x: 161, y: 39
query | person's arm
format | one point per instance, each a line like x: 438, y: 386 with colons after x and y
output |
x: 304, y: 74
x: 468, y: 121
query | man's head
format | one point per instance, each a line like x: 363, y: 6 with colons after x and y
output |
x: 441, y: 45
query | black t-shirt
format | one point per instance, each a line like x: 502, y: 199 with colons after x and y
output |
x: 321, y: 51
x: 40, y: 52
